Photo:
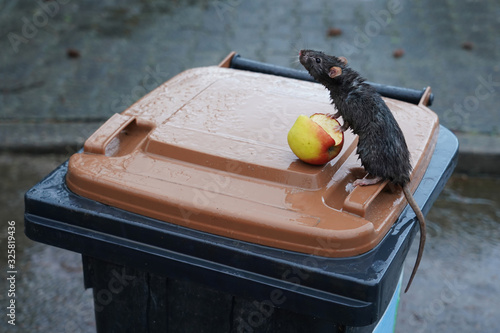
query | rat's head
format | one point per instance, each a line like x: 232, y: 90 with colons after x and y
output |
x: 321, y: 66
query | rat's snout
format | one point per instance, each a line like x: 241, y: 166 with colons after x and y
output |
x: 303, y: 56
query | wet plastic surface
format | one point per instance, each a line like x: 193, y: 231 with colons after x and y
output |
x: 207, y: 150
x: 353, y: 291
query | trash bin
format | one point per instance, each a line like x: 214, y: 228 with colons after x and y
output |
x: 192, y: 214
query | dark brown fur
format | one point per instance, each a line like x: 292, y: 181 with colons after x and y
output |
x: 381, y: 147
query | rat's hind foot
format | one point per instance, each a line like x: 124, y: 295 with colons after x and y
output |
x: 367, y: 181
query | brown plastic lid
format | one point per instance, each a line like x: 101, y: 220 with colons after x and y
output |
x: 207, y: 150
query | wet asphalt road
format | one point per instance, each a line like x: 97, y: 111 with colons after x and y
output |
x: 454, y: 291
x: 81, y: 63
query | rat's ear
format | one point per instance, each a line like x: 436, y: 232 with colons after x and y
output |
x: 334, y: 72
x: 343, y: 60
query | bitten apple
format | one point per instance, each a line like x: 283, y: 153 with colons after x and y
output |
x: 316, y: 139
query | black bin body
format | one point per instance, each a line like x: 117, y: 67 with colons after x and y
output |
x: 152, y: 276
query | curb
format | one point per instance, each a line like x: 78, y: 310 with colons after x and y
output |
x: 479, y: 154
x: 45, y: 138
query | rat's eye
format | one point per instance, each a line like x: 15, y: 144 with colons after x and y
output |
x: 318, y: 60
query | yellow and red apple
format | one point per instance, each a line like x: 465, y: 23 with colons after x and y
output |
x: 316, y: 139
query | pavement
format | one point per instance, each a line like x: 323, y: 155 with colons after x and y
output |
x: 67, y: 66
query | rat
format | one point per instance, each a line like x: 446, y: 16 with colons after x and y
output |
x: 381, y: 146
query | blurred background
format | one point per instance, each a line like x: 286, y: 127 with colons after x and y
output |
x: 67, y: 66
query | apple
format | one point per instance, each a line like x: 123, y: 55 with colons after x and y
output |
x: 316, y: 139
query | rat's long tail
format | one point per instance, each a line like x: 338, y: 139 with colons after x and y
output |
x: 421, y: 220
